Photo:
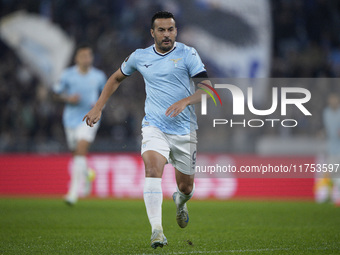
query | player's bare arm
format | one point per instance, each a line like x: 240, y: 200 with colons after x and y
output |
x: 180, y: 105
x: 93, y: 116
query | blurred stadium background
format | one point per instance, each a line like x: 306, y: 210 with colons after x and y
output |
x: 250, y: 39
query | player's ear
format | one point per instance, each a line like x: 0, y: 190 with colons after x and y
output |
x: 152, y: 33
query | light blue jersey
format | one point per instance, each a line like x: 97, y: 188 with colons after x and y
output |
x: 87, y: 86
x: 167, y: 80
x: 331, y: 120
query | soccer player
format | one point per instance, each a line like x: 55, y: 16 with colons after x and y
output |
x: 169, y: 126
x: 331, y: 120
x: 79, y: 88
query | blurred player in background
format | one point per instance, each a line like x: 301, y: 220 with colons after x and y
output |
x: 331, y: 119
x: 79, y: 88
x: 169, y: 126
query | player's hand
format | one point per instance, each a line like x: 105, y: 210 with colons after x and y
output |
x: 92, y: 117
x: 74, y: 99
x: 177, y: 107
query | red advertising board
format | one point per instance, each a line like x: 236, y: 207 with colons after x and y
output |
x: 122, y: 176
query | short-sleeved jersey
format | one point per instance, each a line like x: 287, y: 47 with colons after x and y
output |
x: 87, y: 86
x: 331, y: 119
x: 167, y: 80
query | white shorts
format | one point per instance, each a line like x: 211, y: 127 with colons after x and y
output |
x: 179, y: 150
x: 82, y: 132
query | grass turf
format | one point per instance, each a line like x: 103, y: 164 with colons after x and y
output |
x: 48, y: 226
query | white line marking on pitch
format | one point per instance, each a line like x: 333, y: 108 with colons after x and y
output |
x: 236, y: 251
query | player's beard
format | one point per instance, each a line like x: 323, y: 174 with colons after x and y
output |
x: 166, y: 48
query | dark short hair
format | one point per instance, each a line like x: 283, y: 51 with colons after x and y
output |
x: 82, y: 46
x: 161, y: 15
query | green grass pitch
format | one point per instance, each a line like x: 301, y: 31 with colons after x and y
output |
x: 94, y: 226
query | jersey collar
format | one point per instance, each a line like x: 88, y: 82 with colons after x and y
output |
x: 166, y: 53
x: 78, y: 70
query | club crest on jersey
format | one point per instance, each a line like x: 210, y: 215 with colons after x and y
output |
x: 175, y: 60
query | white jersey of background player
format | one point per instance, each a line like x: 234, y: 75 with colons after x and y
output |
x: 79, y: 87
x: 169, y: 124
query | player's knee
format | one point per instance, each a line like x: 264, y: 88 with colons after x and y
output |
x: 185, y: 188
x: 80, y: 153
x: 153, y: 165
x: 82, y: 148
x: 153, y: 171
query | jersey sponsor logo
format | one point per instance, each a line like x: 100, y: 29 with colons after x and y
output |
x: 146, y: 65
